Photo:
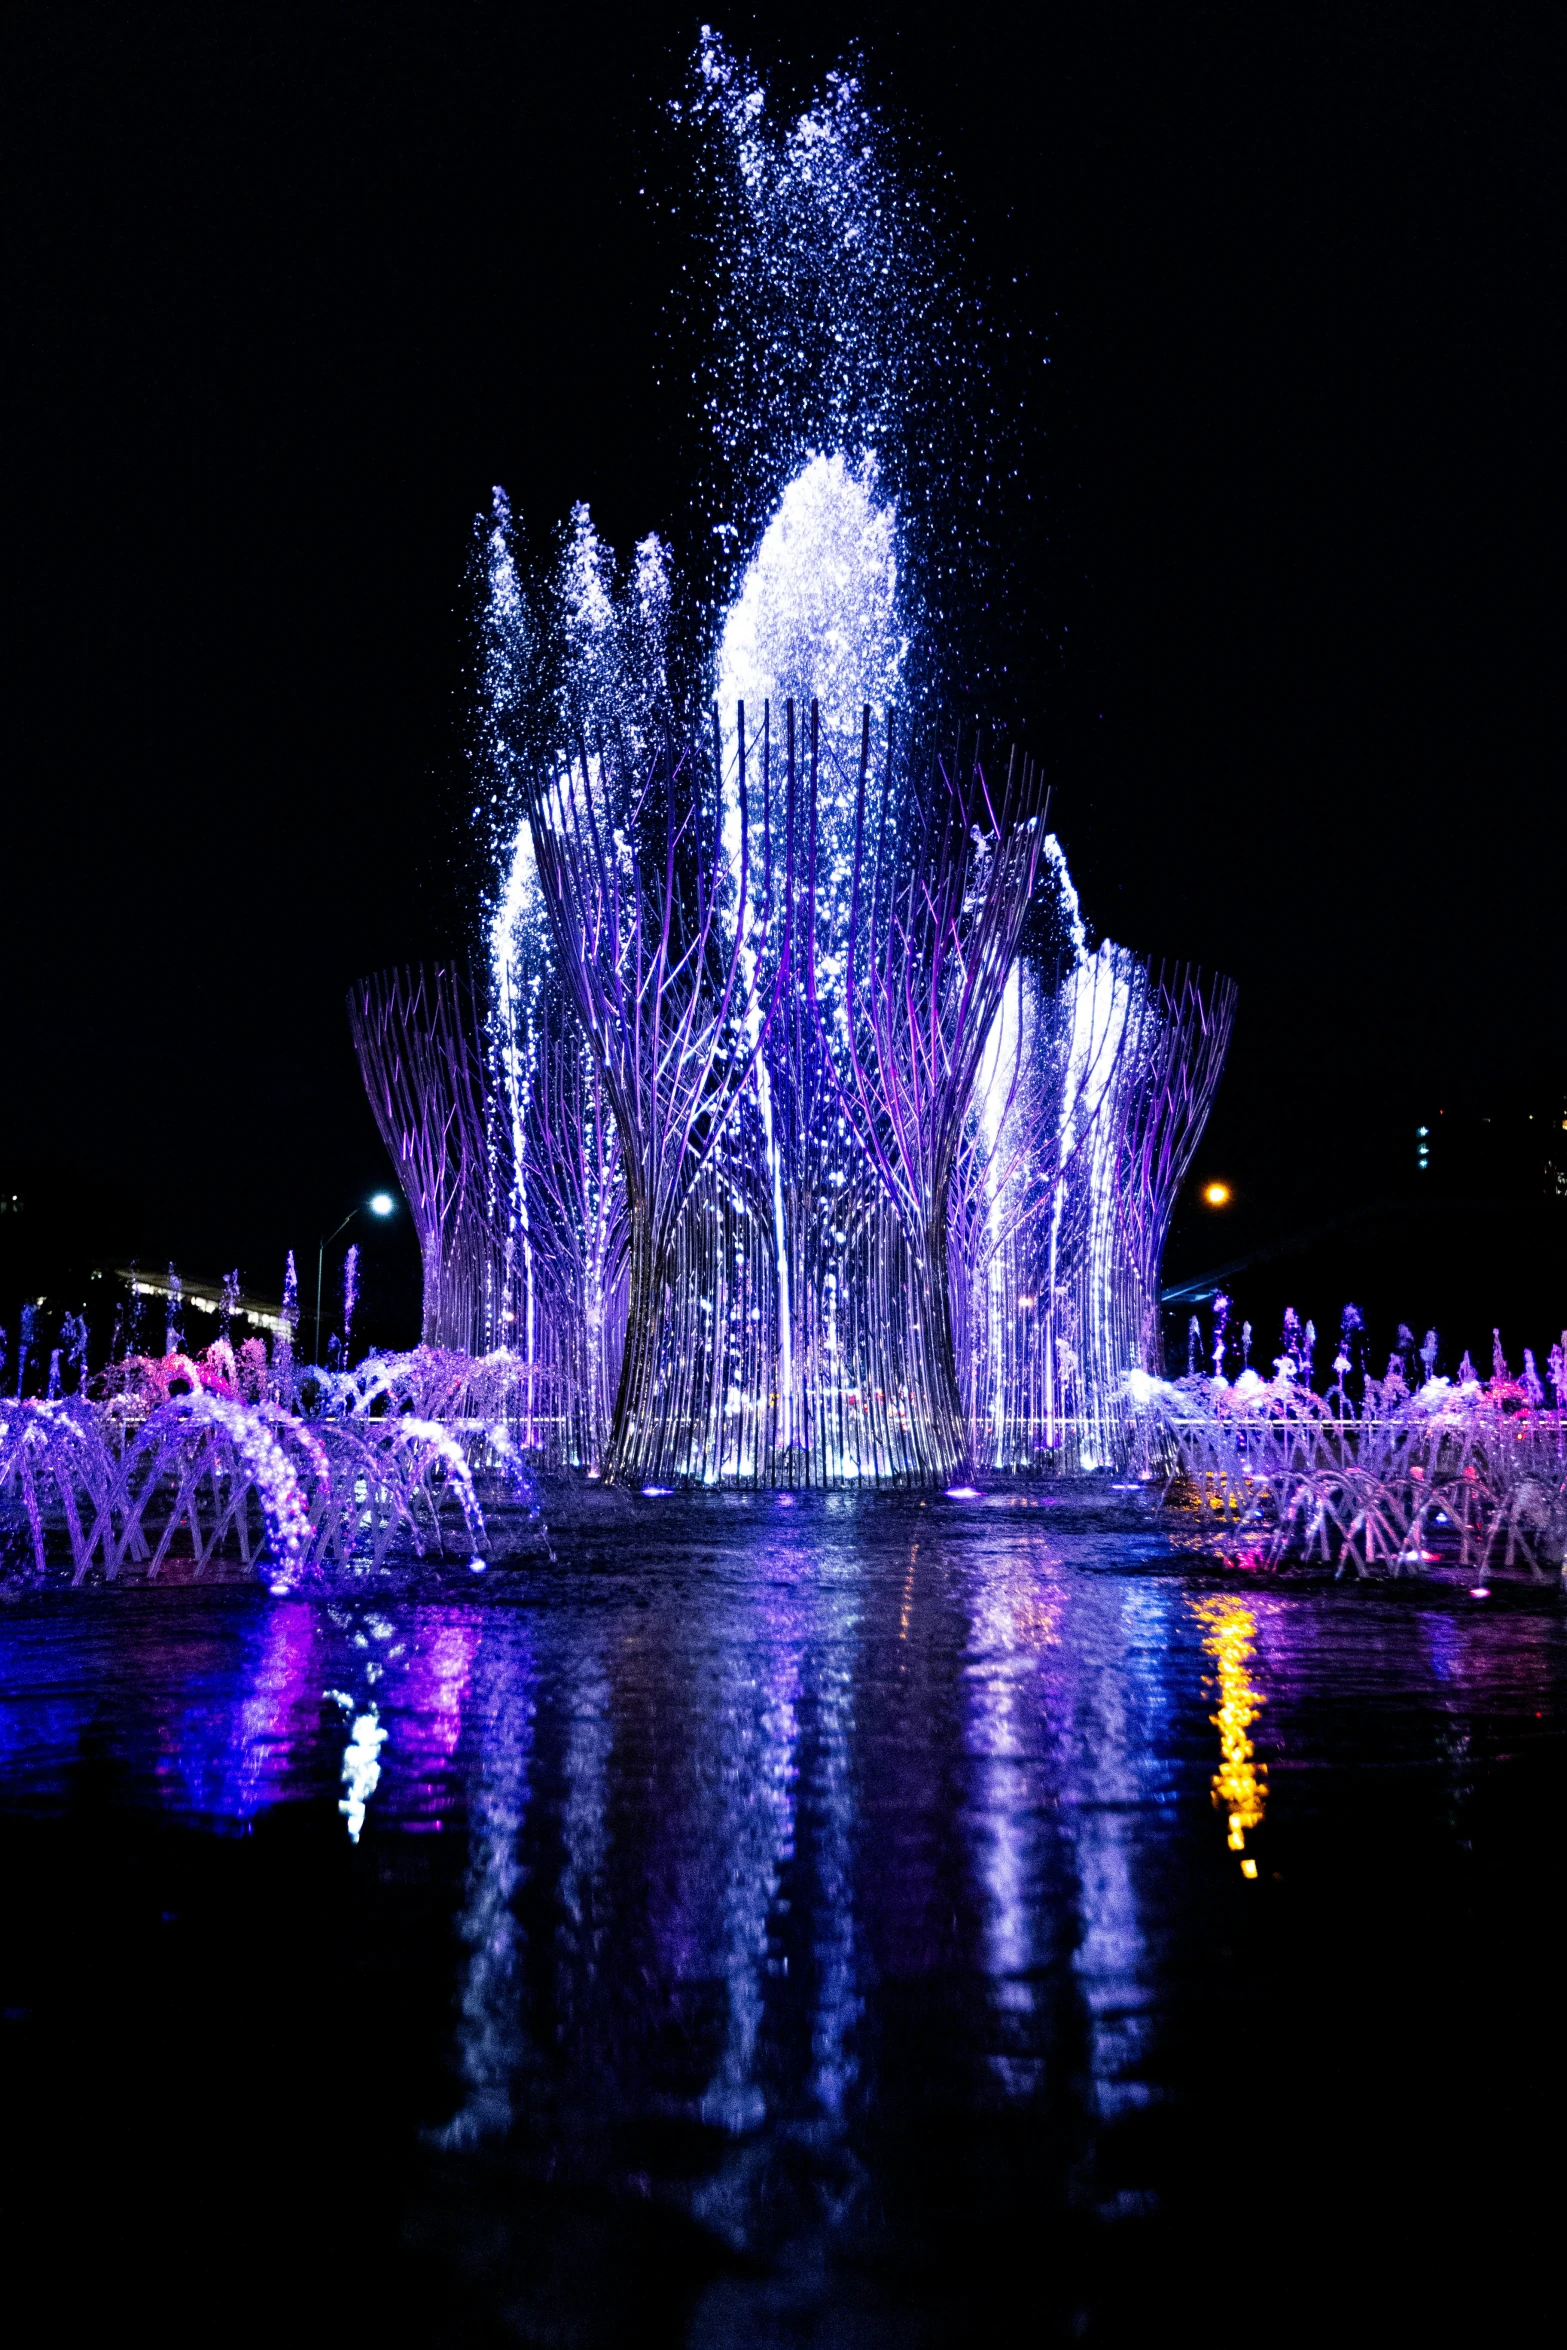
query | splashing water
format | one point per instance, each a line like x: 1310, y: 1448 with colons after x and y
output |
x: 1372, y: 1478
x: 171, y: 1471
x: 822, y: 311
x: 817, y: 611
x: 857, y: 416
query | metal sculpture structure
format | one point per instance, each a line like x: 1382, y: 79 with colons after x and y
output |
x: 942, y: 920
x: 1159, y: 1033
x: 776, y: 1157
x: 418, y: 1036
x: 672, y: 966
x: 1097, y: 1082
x: 566, y: 1240
x: 806, y: 1337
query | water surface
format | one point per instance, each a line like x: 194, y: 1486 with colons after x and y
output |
x: 837, y: 1921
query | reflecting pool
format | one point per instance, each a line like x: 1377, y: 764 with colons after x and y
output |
x: 784, y: 1920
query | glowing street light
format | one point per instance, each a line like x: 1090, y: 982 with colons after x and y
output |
x: 380, y: 1203
x: 1217, y: 1195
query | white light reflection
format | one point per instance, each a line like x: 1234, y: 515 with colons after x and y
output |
x: 758, y: 1732
x: 361, y: 1772
x: 1120, y: 1634
x: 490, y: 2038
x: 788, y: 1803
x: 1016, y: 1608
x: 834, y: 1809
x: 586, y: 1899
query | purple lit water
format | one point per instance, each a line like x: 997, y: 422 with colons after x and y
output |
x: 767, y: 1925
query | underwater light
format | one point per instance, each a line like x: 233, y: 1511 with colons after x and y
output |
x: 964, y: 1493
x: 657, y: 1492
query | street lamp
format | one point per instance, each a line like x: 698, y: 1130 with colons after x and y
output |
x: 380, y: 1203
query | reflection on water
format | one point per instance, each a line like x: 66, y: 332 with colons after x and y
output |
x: 361, y: 1772
x: 1013, y: 1623
x: 1240, y: 1787
x: 831, y: 1879
x: 1121, y: 1650
x: 491, y: 2032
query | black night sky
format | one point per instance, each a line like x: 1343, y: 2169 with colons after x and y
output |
x: 290, y: 288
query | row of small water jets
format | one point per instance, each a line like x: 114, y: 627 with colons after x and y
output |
x: 1396, y: 1475
x: 187, y: 1465
x: 68, y: 1358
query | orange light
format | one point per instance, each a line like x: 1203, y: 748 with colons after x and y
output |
x: 1217, y: 1195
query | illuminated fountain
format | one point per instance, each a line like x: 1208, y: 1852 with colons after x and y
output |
x: 794, y: 1133
x: 801, y: 1138
x: 789, y: 1130
x: 1373, y: 1475
x: 205, y: 1483
x: 185, y: 1467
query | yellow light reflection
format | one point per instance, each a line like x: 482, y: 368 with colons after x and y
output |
x: 1240, y: 1784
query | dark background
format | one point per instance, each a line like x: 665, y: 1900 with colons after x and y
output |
x: 290, y: 288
